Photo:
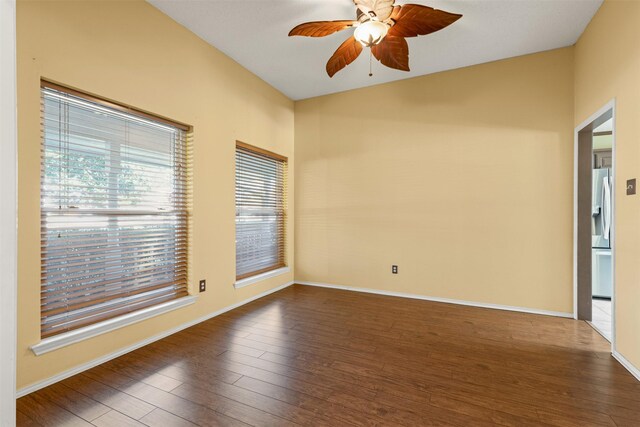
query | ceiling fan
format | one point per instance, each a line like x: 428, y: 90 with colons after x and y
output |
x: 381, y: 26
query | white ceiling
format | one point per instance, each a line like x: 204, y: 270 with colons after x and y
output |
x: 254, y: 33
x: 605, y: 127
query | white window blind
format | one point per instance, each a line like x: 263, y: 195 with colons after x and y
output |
x: 114, y: 210
x: 261, y: 209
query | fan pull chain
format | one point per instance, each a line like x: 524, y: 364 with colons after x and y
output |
x: 370, y: 60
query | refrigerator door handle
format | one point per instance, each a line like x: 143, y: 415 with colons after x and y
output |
x: 606, y: 205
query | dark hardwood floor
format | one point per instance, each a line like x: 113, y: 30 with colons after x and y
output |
x: 313, y: 356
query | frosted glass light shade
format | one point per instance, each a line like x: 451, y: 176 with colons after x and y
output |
x: 371, y: 33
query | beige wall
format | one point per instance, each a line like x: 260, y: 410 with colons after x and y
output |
x: 132, y: 53
x: 607, y: 59
x: 463, y: 179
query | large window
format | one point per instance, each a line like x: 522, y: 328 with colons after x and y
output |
x: 114, y: 210
x: 261, y: 210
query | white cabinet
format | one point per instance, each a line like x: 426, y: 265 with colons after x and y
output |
x: 601, y: 273
x: 602, y: 159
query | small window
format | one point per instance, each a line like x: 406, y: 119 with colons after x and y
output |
x: 261, y: 210
x: 114, y: 210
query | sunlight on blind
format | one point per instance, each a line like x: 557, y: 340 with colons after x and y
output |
x: 260, y: 212
x: 114, y: 206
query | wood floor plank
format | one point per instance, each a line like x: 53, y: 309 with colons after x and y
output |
x: 179, y: 367
x: 26, y: 421
x: 108, y: 396
x: 116, y: 419
x: 137, y: 370
x: 74, y: 402
x: 161, y: 418
x: 488, y: 413
x: 300, y: 383
x: 47, y: 413
x: 329, y: 378
x: 285, y: 394
x: 323, y: 357
x: 184, y: 408
x: 256, y: 409
x: 208, y: 387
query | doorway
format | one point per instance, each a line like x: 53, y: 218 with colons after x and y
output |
x: 594, y: 243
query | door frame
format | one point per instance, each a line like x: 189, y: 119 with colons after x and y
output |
x: 609, y: 106
x: 8, y: 212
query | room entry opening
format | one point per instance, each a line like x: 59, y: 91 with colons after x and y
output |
x: 595, y: 222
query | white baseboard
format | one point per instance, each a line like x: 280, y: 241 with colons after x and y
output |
x: 627, y: 365
x: 71, y: 372
x: 437, y: 299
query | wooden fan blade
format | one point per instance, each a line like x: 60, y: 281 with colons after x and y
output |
x: 363, y: 6
x: 393, y: 52
x: 381, y: 8
x: 395, y: 13
x: 416, y: 20
x: 344, y: 55
x: 321, y: 28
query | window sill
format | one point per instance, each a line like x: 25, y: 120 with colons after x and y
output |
x: 72, y: 337
x: 262, y: 276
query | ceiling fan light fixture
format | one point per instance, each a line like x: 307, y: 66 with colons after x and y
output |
x: 382, y: 26
x: 370, y: 33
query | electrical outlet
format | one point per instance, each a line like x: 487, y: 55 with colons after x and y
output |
x: 203, y: 285
x: 631, y: 187
x: 394, y: 269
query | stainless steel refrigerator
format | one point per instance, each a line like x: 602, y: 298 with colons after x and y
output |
x: 601, y: 218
